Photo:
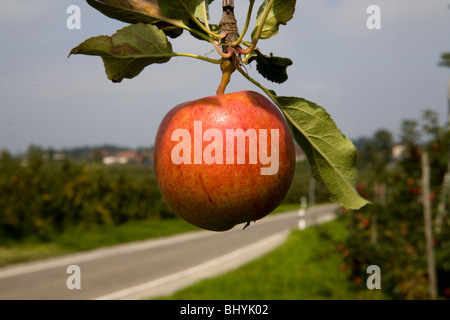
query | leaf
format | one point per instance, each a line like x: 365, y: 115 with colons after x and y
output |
x: 281, y: 12
x: 202, y: 9
x: 270, y: 67
x: 178, y: 9
x: 136, y: 11
x: 127, y: 52
x: 332, y: 156
x: 445, y: 62
x: 214, y: 28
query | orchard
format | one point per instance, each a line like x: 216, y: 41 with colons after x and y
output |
x: 390, y: 233
x: 203, y: 176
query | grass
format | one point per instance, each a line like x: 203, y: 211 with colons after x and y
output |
x: 306, y: 266
x: 81, y: 239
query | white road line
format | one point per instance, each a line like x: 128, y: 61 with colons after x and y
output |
x: 76, y: 258
x: 196, y: 269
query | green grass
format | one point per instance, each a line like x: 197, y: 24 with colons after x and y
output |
x: 306, y: 266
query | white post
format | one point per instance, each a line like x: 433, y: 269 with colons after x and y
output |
x: 427, y: 226
x: 302, y: 213
x: 448, y: 124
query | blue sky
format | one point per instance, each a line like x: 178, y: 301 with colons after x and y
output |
x: 366, y: 79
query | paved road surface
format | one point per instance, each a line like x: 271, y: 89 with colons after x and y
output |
x: 154, y: 267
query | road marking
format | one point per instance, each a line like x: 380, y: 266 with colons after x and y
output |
x: 280, y: 236
x: 77, y: 258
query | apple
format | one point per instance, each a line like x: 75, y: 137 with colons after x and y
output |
x: 224, y: 160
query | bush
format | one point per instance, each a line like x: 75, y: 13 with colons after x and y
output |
x: 40, y: 197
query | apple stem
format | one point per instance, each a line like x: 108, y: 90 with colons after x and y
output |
x: 227, y: 68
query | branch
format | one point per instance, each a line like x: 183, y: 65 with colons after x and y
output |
x: 228, y: 27
x: 228, y: 24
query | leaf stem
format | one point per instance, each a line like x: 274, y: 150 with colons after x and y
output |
x: 259, y: 30
x: 180, y: 24
x: 196, y: 56
x: 205, y: 18
x: 247, y: 22
x: 259, y: 85
x: 174, y: 54
x: 223, y: 54
x: 198, y: 23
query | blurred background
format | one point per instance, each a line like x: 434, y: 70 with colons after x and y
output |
x: 77, y: 149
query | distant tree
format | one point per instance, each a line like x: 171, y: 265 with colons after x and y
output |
x: 390, y: 231
x: 410, y: 133
x: 431, y: 124
x: 445, y: 60
x: 383, y: 143
x: 377, y: 149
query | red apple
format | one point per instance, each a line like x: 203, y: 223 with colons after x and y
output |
x: 224, y: 160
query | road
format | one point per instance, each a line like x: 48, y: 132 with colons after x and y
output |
x: 154, y: 267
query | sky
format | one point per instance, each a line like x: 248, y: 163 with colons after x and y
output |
x: 366, y: 79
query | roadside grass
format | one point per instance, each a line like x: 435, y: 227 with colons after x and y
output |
x: 306, y: 267
x: 82, y: 238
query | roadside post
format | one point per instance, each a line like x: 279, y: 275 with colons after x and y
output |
x: 302, y: 213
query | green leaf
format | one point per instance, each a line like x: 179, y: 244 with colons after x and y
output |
x: 128, y: 11
x: 270, y: 67
x: 281, y: 12
x: 179, y: 9
x: 127, y: 52
x: 202, y: 9
x: 136, y: 11
x: 332, y: 156
x: 445, y: 62
x: 214, y: 28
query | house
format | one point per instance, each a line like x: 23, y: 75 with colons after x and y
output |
x: 120, y: 157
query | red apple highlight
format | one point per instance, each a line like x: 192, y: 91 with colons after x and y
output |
x: 224, y: 160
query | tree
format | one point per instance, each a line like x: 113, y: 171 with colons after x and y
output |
x: 445, y: 60
x: 399, y: 245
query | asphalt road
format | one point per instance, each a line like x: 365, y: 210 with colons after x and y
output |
x: 154, y: 267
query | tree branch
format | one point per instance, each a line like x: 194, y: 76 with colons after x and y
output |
x: 228, y: 24
x: 231, y: 57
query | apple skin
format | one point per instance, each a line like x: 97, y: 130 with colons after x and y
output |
x: 215, y: 196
